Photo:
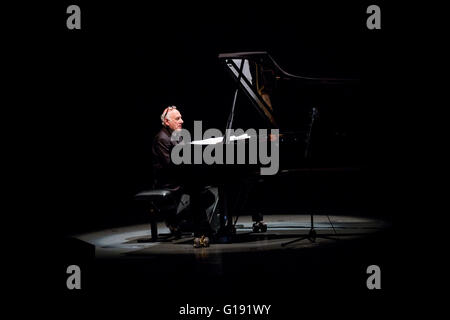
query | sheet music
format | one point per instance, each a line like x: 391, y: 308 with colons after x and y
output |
x: 220, y: 139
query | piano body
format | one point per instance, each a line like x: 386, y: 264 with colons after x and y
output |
x: 314, y: 118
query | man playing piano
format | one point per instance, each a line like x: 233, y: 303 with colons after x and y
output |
x: 167, y: 176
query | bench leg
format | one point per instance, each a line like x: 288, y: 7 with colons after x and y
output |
x: 153, y: 222
x: 154, y: 230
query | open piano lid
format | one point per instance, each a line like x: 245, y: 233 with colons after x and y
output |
x: 257, y: 73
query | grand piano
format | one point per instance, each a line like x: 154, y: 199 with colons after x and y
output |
x: 313, y: 119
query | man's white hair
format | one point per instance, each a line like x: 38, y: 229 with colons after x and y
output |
x: 165, y: 114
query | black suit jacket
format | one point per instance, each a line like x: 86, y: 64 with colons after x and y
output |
x: 163, y: 168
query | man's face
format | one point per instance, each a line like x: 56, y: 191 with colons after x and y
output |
x: 173, y: 120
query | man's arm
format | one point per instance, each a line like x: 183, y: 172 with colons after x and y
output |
x: 163, y: 149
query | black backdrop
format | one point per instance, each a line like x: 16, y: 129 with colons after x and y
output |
x: 110, y: 80
x: 94, y: 96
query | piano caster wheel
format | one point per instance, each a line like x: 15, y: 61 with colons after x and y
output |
x: 259, y: 227
x: 263, y: 227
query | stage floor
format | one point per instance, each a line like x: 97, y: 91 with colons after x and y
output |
x: 256, y: 267
x: 134, y: 241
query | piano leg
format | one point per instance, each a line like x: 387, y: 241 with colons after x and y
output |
x: 227, y: 229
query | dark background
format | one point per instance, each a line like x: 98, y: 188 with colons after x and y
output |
x: 110, y: 81
x: 103, y: 88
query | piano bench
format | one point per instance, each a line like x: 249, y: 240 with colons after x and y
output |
x: 158, y: 202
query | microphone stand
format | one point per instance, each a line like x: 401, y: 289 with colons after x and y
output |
x: 312, y: 235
